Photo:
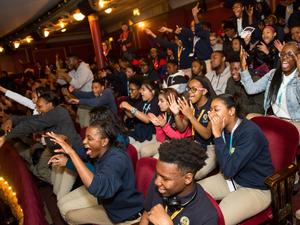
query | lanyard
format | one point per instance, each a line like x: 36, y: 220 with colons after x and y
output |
x: 198, y: 119
x: 174, y: 213
x: 231, y: 150
x: 179, y: 51
x: 168, y: 119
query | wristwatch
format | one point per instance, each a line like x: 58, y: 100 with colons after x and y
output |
x: 133, y: 111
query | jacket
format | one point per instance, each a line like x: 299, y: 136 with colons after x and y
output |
x: 263, y: 84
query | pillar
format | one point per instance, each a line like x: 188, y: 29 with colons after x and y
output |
x: 96, y: 37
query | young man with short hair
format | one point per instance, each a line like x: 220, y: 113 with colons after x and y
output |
x: 174, y: 197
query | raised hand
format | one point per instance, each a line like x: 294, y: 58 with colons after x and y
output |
x: 61, y: 140
x: 278, y: 45
x: 263, y: 47
x: 58, y: 160
x: 177, y: 30
x: 74, y: 101
x: 243, y: 59
x: 186, y: 108
x: 249, y: 11
x: 173, y: 105
x: 196, y: 10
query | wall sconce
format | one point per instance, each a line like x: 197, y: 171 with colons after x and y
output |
x: 110, y: 39
x: 1, y: 49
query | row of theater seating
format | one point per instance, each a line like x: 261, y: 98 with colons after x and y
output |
x: 283, y: 139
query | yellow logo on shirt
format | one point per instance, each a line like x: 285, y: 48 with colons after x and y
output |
x: 184, y: 220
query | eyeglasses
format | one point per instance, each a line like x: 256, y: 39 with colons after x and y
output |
x: 193, y: 89
x: 289, y: 54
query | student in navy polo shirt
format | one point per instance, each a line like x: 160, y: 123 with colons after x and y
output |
x: 108, y: 195
x: 174, y: 197
x: 144, y: 131
x: 243, y: 155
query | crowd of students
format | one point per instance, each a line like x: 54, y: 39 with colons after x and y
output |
x: 187, y: 102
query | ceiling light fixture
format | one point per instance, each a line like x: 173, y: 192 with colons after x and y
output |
x: 78, y: 16
x: 28, y: 39
x: 16, y: 44
x: 136, y: 12
x: 46, y: 33
x: 108, y: 10
x: 101, y: 4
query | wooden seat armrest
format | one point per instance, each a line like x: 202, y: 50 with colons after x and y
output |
x: 281, y: 175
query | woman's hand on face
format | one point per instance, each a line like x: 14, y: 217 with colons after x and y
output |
x: 217, y: 124
x: 58, y: 160
x: 186, y: 108
x: 61, y: 140
x: 173, y: 105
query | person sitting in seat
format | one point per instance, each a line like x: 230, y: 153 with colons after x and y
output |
x: 174, y: 197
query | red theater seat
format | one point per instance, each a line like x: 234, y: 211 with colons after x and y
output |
x: 14, y: 170
x: 283, y: 140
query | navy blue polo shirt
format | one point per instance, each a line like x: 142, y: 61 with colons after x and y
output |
x: 144, y: 131
x: 114, y: 185
x: 199, y: 211
x: 201, y: 114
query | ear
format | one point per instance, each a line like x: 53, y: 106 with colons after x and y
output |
x: 205, y: 91
x: 188, y: 178
x: 104, y: 142
x: 232, y: 111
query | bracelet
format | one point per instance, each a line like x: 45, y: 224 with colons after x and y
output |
x: 133, y: 111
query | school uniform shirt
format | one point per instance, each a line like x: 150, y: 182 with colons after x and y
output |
x: 244, y: 155
x: 201, y: 114
x: 113, y: 185
x: 199, y: 210
x: 105, y: 99
x: 144, y: 131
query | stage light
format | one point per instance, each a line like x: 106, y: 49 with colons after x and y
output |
x: 78, y: 16
x: 108, y: 10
